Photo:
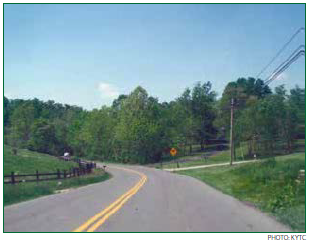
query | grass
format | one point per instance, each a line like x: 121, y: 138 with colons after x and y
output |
x: 27, y: 162
x: 219, y: 157
x: 216, y: 157
x: 272, y: 185
x: 26, y: 191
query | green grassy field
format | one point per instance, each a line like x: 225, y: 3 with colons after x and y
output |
x: 272, y: 185
x: 27, y: 162
x: 219, y: 157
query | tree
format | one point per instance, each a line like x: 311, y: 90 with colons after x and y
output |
x: 21, y: 121
x: 139, y: 129
x: 138, y: 134
x: 43, y: 137
x: 268, y: 124
x: 6, y: 112
x: 297, y: 102
x: 203, y: 100
x: 245, y: 93
x: 183, y: 120
x: 96, y: 134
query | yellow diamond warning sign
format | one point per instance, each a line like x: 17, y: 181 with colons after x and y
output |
x: 173, y: 152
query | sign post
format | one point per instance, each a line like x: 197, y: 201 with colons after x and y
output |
x: 173, y: 152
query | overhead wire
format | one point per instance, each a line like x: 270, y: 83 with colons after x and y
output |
x: 279, y: 52
x: 290, y: 56
x: 284, y: 66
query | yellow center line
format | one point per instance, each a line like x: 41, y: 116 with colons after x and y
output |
x: 105, y: 217
x: 115, y: 206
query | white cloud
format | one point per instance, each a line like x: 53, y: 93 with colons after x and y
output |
x: 108, y: 91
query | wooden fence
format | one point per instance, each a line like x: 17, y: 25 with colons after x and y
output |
x: 83, y: 169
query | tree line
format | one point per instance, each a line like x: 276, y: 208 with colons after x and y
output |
x: 137, y: 128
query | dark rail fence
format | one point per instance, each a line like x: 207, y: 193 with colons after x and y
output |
x: 83, y: 169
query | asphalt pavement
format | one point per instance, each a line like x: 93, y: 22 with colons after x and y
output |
x: 139, y: 199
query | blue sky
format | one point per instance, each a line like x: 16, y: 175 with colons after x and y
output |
x: 86, y: 55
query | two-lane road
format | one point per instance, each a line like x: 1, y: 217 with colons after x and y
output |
x: 139, y: 199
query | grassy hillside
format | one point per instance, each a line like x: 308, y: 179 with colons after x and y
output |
x: 272, y: 185
x: 27, y: 162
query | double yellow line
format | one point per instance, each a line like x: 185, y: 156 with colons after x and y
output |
x: 97, y: 220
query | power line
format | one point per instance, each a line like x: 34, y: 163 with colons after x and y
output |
x: 283, y: 66
x: 280, y: 51
x: 275, y: 75
x: 300, y: 48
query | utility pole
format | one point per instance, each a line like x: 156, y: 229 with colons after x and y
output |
x: 231, y: 131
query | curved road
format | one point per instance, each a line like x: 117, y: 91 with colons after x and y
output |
x: 139, y: 199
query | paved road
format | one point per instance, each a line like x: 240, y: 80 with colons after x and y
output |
x: 156, y: 201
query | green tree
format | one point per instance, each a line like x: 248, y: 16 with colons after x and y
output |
x: 43, y: 137
x: 297, y: 102
x: 138, y: 134
x: 268, y: 124
x: 6, y: 112
x: 96, y: 134
x: 21, y: 121
x: 203, y: 99
x: 245, y: 92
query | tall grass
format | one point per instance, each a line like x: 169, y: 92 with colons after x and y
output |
x: 272, y: 185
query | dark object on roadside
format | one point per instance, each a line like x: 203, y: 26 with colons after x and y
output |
x: 14, y: 150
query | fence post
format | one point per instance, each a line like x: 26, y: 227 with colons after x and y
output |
x: 64, y: 174
x: 59, y: 174
x: 37, y: 175
x: 12, y: 178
